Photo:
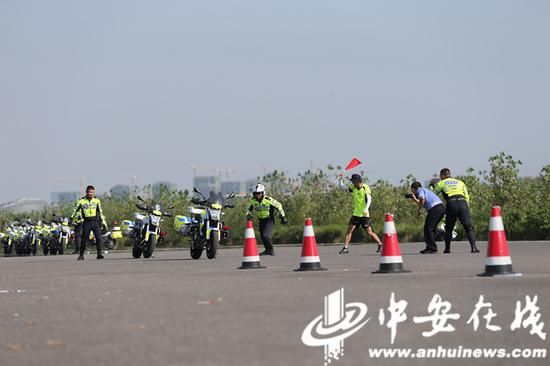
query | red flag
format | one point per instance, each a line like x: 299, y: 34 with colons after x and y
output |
x: 352, y: 164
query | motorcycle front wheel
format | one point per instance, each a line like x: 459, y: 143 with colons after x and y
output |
x: 109, y: 243
x: 150, y: 247
x: 53, y: 248
x: 212, y: 248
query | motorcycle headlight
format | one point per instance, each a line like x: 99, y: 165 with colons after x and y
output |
x: 155, y: 220
x: 215, y: 214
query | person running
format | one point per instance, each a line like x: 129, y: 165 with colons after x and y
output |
x: 361, y: 202
x: 456, y: 194
x: 265, y: 206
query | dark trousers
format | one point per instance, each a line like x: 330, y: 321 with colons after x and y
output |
x: 434, y: 217
x: 458, y: 209
x: 88, y: 227
x: 266, y: 230
x: 77, y: 237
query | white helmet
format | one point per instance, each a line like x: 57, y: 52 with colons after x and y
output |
x: 259, y: 189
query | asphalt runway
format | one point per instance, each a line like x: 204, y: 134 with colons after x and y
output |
x: 171, y: 310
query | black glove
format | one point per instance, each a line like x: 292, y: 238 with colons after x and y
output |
x: 249, y: 217
x: 284, y: 220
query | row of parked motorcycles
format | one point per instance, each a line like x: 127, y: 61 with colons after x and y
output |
x: 24, y: 238
x: 203, y: 226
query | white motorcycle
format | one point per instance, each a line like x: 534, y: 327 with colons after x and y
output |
x: 204, y: 226
x: 145, y: 230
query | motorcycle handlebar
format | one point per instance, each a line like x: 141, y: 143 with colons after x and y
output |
x: 141, y: 207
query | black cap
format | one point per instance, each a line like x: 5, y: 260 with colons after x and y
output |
x: 356, y: 178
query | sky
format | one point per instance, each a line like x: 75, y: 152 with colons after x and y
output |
x: 107, y: 90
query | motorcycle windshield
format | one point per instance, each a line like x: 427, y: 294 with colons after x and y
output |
x: 215, y: 199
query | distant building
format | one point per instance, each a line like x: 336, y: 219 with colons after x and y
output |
x: 240, y: 188
x: 205, y: 184
x: 24, y: 205
x: 65, y: 197
x: 231, y: 187
x: 121, y: 190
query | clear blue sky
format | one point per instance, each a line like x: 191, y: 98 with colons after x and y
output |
x: 111, y: 89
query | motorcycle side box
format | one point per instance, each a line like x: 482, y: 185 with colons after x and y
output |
x: 180, y: 221
x: 116, y: 233
x: 127, y: 227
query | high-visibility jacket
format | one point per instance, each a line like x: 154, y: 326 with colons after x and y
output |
x: 361, y: 199
x: 451, y: 187
x: 90, y: 209
x: 266, y: 207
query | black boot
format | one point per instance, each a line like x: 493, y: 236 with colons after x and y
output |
x: 81, y: 257
x: 447, y: 248
x: 474, y: 249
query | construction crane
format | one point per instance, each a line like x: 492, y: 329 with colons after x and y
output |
x: 194, y: 168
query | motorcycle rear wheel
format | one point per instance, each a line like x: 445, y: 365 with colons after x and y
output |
x: 196, y: 252
x: 136, y: 251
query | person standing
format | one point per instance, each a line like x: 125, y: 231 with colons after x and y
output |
x: 265, y: 206
x: 427, y: 199
x: 90, y: 208
x: 361, y: 217
x: 456, y: 194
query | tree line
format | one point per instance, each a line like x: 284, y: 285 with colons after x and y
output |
x: 524, y: 203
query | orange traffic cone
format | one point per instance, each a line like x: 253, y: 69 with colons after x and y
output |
x: 498, y: 261
x: 251, y: 259
x: 309, y: 261
x: 390, y: 258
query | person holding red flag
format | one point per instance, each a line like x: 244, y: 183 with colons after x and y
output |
x: 361, y: 201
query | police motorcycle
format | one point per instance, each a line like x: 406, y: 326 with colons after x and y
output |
x: 144, y: 231
x: 23, y: 239
x: 9, y: 240
x: 440, y: 233
x: 55, y: 231
x: 48, y: 238
x: 204, y: 225
x: 110, y: 237
x: 61, y: 233
x: 3, y: 238
x: 37, y: 235
x: 18, y: 239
